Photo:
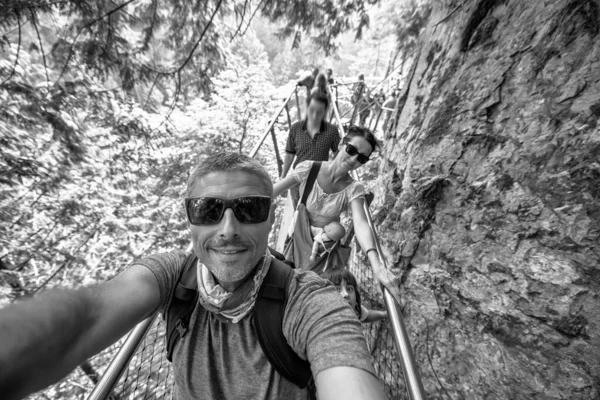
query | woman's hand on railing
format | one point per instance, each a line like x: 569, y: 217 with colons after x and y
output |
x: 390, y: 281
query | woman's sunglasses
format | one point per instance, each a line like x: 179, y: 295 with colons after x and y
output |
x: 210, y: 210
x: 352, y: 151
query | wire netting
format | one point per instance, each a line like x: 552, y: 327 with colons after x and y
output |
x: 148, y: 375
x: 378, y: 334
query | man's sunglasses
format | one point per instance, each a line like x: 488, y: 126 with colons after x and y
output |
x: 210, y: 210
x: 352, y: 151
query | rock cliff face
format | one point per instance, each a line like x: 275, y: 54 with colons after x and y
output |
x: 490, y: 200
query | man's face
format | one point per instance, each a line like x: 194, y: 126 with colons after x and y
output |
x: 229, y: 248
x: 315, y: 111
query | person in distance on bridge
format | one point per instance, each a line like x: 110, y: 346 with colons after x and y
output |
x: 229, y: 211
x: 311, y: 139
x: 389, y: 106
x: 331, y: 81
x: 329, y: 73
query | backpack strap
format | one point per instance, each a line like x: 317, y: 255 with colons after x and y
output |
x: 182, y: 305
x: 268, y: 323
x: 269, y: 310
x: 281, y: 257
x: 310, y: 181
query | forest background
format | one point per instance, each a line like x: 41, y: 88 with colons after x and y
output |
x: 105, y: 107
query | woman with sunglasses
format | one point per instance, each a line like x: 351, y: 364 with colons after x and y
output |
x: 335, y: 191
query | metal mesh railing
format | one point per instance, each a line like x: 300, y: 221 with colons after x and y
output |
x: 149, y: 374
x: 378, y: 334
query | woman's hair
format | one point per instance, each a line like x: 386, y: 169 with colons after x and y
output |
x: 337, y: 276
x: 365, y: 133
x: 321, y: 97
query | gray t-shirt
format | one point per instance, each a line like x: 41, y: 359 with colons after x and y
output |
x: 223, y: 360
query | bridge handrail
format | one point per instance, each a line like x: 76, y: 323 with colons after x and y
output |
x: 412, y: 377
x: 271, y: 124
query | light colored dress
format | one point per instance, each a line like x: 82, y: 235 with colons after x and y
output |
x: 322, y: 207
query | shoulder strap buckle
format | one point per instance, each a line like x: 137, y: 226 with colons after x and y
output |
x: 181, y: 328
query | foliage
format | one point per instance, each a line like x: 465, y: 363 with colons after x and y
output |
x: 393, y: 30
x: 104, y: 108
x: 141, y: 41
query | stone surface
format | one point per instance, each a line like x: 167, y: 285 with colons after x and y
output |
x: 489, y: 201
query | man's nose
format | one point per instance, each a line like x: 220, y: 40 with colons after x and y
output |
x: 229, y: 225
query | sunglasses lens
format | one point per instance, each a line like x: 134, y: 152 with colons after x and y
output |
x: 204, y: 210
x: 362, y: 158
x: 210, y: 210
x: 351, y: 150
x: 252, y: 210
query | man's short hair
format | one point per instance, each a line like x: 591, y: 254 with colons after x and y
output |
x: 226, y: 162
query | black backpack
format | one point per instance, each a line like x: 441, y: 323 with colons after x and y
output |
x: 267, y: 317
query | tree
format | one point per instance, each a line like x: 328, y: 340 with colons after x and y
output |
x: 489, y: 207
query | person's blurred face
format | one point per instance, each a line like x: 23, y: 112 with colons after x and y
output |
x: 348, y: 292
x: 315, y: 112
x: 229, y: 248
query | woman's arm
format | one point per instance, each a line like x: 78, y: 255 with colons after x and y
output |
x: 285, y: 184
x: 375, y: 315
x: 366, y: 241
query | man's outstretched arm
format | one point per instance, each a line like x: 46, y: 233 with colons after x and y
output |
x: 348, y: 383
x: 44, y: 338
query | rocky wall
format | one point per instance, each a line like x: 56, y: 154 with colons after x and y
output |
x: 489, y: 202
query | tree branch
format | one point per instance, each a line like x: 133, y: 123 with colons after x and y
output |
x: 252, y: 17
x: 150, y: 91
x: 177, y: 72
x: 37, y: 31
x: 86, y: 26
x: 448, y: 16
x: 212, y: 17
x: 241, y: 22
x: 66, y: 262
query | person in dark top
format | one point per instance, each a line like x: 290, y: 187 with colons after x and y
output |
x: 331, y: 81
x: 364, y: 108
x: 358, y: 89
x: 329, y: 73
x: 358, y: 94
x: 311, y: 139
x: 388, y: 107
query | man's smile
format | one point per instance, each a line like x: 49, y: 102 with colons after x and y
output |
x: 228, y: 250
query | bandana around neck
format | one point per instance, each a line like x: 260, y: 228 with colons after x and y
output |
x: 233, y: 306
